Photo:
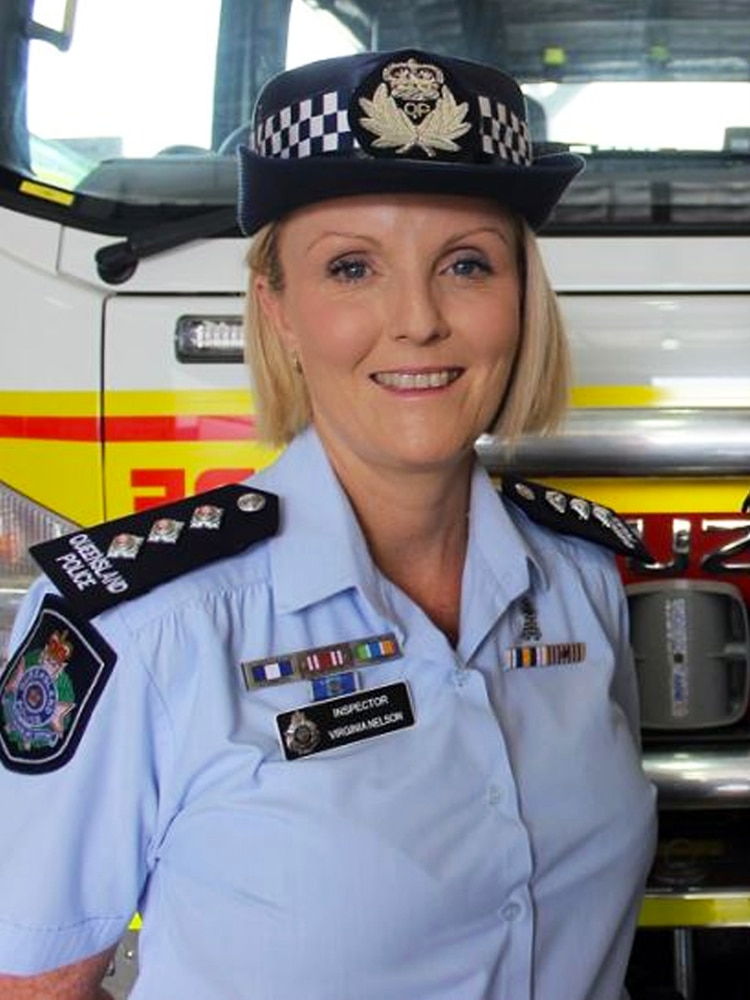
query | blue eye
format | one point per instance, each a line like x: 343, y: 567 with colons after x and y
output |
x: 470, y: 267
x: 348, y: 269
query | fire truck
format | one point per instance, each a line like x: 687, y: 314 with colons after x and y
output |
x: 122, y: 383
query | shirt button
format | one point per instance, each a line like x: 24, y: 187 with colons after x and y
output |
x: 511, y: 912
x: 461, y: 676
x: 494, y: 794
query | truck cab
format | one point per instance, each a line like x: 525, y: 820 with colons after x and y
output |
x: 122, y: 279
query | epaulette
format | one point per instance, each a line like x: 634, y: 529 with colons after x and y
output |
x: 97, y: 568
x: 574, y: 515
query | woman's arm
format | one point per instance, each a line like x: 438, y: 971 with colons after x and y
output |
x: 79, y: 981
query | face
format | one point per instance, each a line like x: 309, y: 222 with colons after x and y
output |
x: 404, y: 312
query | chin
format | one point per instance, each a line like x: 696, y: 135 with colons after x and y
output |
x: 423, y: 458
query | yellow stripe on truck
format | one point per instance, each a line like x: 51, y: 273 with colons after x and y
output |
x: 133, y: 403
x: 719, y: 910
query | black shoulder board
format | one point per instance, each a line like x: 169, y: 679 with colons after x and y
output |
x: 96, y: 568
x: 574, y: 515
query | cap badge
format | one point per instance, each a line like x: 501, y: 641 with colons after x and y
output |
x: 412, y: 107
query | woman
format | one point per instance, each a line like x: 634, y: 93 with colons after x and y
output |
x: 342, y: 782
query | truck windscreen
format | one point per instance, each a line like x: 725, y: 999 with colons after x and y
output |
x: 135, y: 119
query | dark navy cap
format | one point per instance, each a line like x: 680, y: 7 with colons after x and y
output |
x: 385, y: 122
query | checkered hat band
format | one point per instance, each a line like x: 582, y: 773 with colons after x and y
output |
x: 503, y: 133
x: 312, y: 127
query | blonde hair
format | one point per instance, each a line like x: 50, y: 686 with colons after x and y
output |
x: 539, y: 388
x: 534, y: 401
x: 282, y: 403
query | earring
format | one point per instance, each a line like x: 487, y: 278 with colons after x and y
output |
x: 294, y: 359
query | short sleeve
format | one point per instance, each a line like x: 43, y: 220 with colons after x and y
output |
x: 611, y: 603
x: 76, y: 827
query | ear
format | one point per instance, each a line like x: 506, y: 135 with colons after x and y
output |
x: 271, y: 302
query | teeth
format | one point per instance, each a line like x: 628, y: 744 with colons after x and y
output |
x: 419, y: 380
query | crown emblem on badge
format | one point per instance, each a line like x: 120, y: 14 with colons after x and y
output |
x: 412, y: 107
x: 56, y: 653
x: 38, y: 696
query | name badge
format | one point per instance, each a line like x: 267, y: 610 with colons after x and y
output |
x: 325, y: 725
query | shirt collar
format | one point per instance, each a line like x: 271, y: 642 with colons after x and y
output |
x: 508, y: 550
x: 320, y: 549
x: 500, y: 564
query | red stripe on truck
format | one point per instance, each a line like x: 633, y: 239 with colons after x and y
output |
x: 123, y: 429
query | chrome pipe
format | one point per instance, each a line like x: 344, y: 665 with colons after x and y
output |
x: 706, y: 777
x: 631, y: 442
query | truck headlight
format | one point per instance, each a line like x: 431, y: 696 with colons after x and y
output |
x: 22, y: 523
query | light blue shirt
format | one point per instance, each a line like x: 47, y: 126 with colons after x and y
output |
x: 495, y: 850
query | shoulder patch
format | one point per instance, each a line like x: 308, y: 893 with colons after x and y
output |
x: 574, y: 515
x: 49, y: 688
x: 96, y: 568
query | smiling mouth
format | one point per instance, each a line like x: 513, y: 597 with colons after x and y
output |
x: 417, y: 380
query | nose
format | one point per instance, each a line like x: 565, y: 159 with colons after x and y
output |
x: 417, y: 312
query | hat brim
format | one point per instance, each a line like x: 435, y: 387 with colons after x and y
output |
x: 271, y: 187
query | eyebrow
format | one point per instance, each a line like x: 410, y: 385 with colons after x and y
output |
x: 450, y: 241
x: 340, y: 235
x: 481, y: 229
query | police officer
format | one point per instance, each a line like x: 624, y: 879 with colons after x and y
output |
x: 360, y: 727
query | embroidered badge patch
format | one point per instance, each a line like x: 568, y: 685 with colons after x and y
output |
x: 327, y: 724
x: 49, y: 689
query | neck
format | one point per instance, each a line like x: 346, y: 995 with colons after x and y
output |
x: 416, y: 526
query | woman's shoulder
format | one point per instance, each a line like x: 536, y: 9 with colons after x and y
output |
x: 98, y: 568
x: 118, y: 593
x: 573, y: 516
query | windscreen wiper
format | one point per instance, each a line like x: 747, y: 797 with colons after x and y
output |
x: 117, y: 262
